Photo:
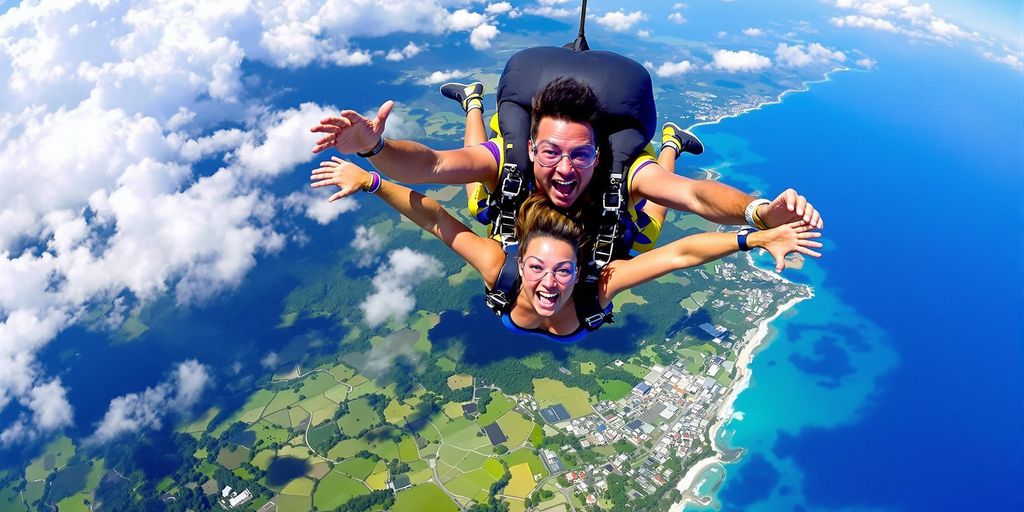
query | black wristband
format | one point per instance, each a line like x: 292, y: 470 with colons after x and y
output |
x: 376, y: 149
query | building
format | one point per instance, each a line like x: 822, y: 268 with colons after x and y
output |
x: 240, y: 499
x: 555, y: 414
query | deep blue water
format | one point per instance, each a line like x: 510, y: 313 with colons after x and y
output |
x: 901, y: 386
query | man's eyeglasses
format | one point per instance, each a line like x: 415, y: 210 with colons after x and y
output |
x: 549, y: 155
x: 563, y: 272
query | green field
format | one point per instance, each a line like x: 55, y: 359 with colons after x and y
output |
x: 360, y: 416
x: 396, y: 412
x: 321, y: 433
x: 377, y: 481
x: 10, y: 501
x: 290, y: 503
x: 587, y: 367
x: 423, y: 497
x: 356, y: 467
x: 55, y: 455
x: 262, y: 459
x: 281, y: 400
x: 347, y: 448
x: 516, y: 428
x: 471, y: 484
x: 316, y: 384
x: 550, y: 392
x: 446, y: 364
x: 499, y: 406
x: 232, y: 456
x: 299, y: 487
x: 614, y: 390
x: 267, y: 433
x: 533, y: 362
x: 407, y: 451
x: 494, y: 468
x: 335, y: 489
x: 637, y: 371
x: 526, y: 455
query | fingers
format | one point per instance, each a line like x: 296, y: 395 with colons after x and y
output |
x: 815, y: 219
x: 801, y: 205
x: 809, y: 252
x: 331, y: 124
x: 383, y: 112
x: 809, y: 243
x: 808, y: 234
x: 789, y: 198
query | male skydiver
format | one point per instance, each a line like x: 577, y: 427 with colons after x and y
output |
x: 563, y: 152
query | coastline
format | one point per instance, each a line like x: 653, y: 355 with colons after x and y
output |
x: 805, y: 86
x: 725, y: 412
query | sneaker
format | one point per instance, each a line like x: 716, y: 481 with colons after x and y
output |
x: 681, y: 140
x: 465, y: 94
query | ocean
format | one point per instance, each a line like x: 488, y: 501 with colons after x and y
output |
x: 899, y: 385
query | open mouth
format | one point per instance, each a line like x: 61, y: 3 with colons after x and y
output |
x: 564, y: 187
x: 548, y: 300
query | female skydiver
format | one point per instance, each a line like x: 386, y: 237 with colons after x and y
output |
x: 674, y: 142
x: 545, y: 303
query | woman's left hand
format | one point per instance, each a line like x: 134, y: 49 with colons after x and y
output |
x: 347, y: 176
x: 787, y: 238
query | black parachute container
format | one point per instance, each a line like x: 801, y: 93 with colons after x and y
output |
x: 625, y: 125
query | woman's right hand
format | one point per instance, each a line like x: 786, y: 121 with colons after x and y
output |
x: 782, y: 240
x: 348, y: 177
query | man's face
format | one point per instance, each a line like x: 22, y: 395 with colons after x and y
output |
x: 563, y: 183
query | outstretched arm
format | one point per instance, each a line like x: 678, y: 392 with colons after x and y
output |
x: 485, y: 255
x: 403, y: 160
x: 719, y: 202
x: 701, y: 248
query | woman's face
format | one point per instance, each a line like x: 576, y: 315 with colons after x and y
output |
x: 548, y: 271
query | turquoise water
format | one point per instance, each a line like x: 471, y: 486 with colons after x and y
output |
x: 901, y: 378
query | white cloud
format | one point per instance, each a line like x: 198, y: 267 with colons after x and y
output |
x: 643, y: 33
x: 314, y: 205
x: 270, y: 360
x: 620, y: 21
x: 482, y: 36
x: 463, y: 20
x: 410, y: 50
x: 753, y: 32
x: 867, y: 63
x: 439, y: 77
x: 864, y: 22
x: 739, y: 61
x: 548, y: 11
x: 498, y: 8
x: 285, y: 143
x: 392, y: 297
x: 345, y: 57
x: 50, y: 411
x: 797, y: 56
x: 136, y: 411
x: 369, y: 244
x: 943, y: 28
x: 1014, y: 61
x: 677, y: 18
x: 669, y: 69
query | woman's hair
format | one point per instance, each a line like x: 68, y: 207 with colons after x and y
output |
x: 538, y: 217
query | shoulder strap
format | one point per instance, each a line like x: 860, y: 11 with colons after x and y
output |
x: 503, y: 205
x: 611, y: 216
x: 499, y: 299
x: 589, y: 311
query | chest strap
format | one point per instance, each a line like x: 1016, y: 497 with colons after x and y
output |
x: 499, y: 298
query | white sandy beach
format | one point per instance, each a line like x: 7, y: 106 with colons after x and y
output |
x: 726, y: 411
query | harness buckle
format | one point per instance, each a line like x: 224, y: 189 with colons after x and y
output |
x: 512, y: 183
x: 594, y: 321
x: 612, y: 202
x: 497, y: 301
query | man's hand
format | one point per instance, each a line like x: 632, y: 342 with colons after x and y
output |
x: 790, y: 207
x: 350, y: 132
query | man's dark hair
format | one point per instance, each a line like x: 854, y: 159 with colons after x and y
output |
x: 567, y: 99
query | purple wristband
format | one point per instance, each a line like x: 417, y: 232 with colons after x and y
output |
x: 374, y: 183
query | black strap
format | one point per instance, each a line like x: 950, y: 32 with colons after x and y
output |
x: 611, y: 215
x: 500, y: 298
x: 588, y: 309
x: 503, y: 205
